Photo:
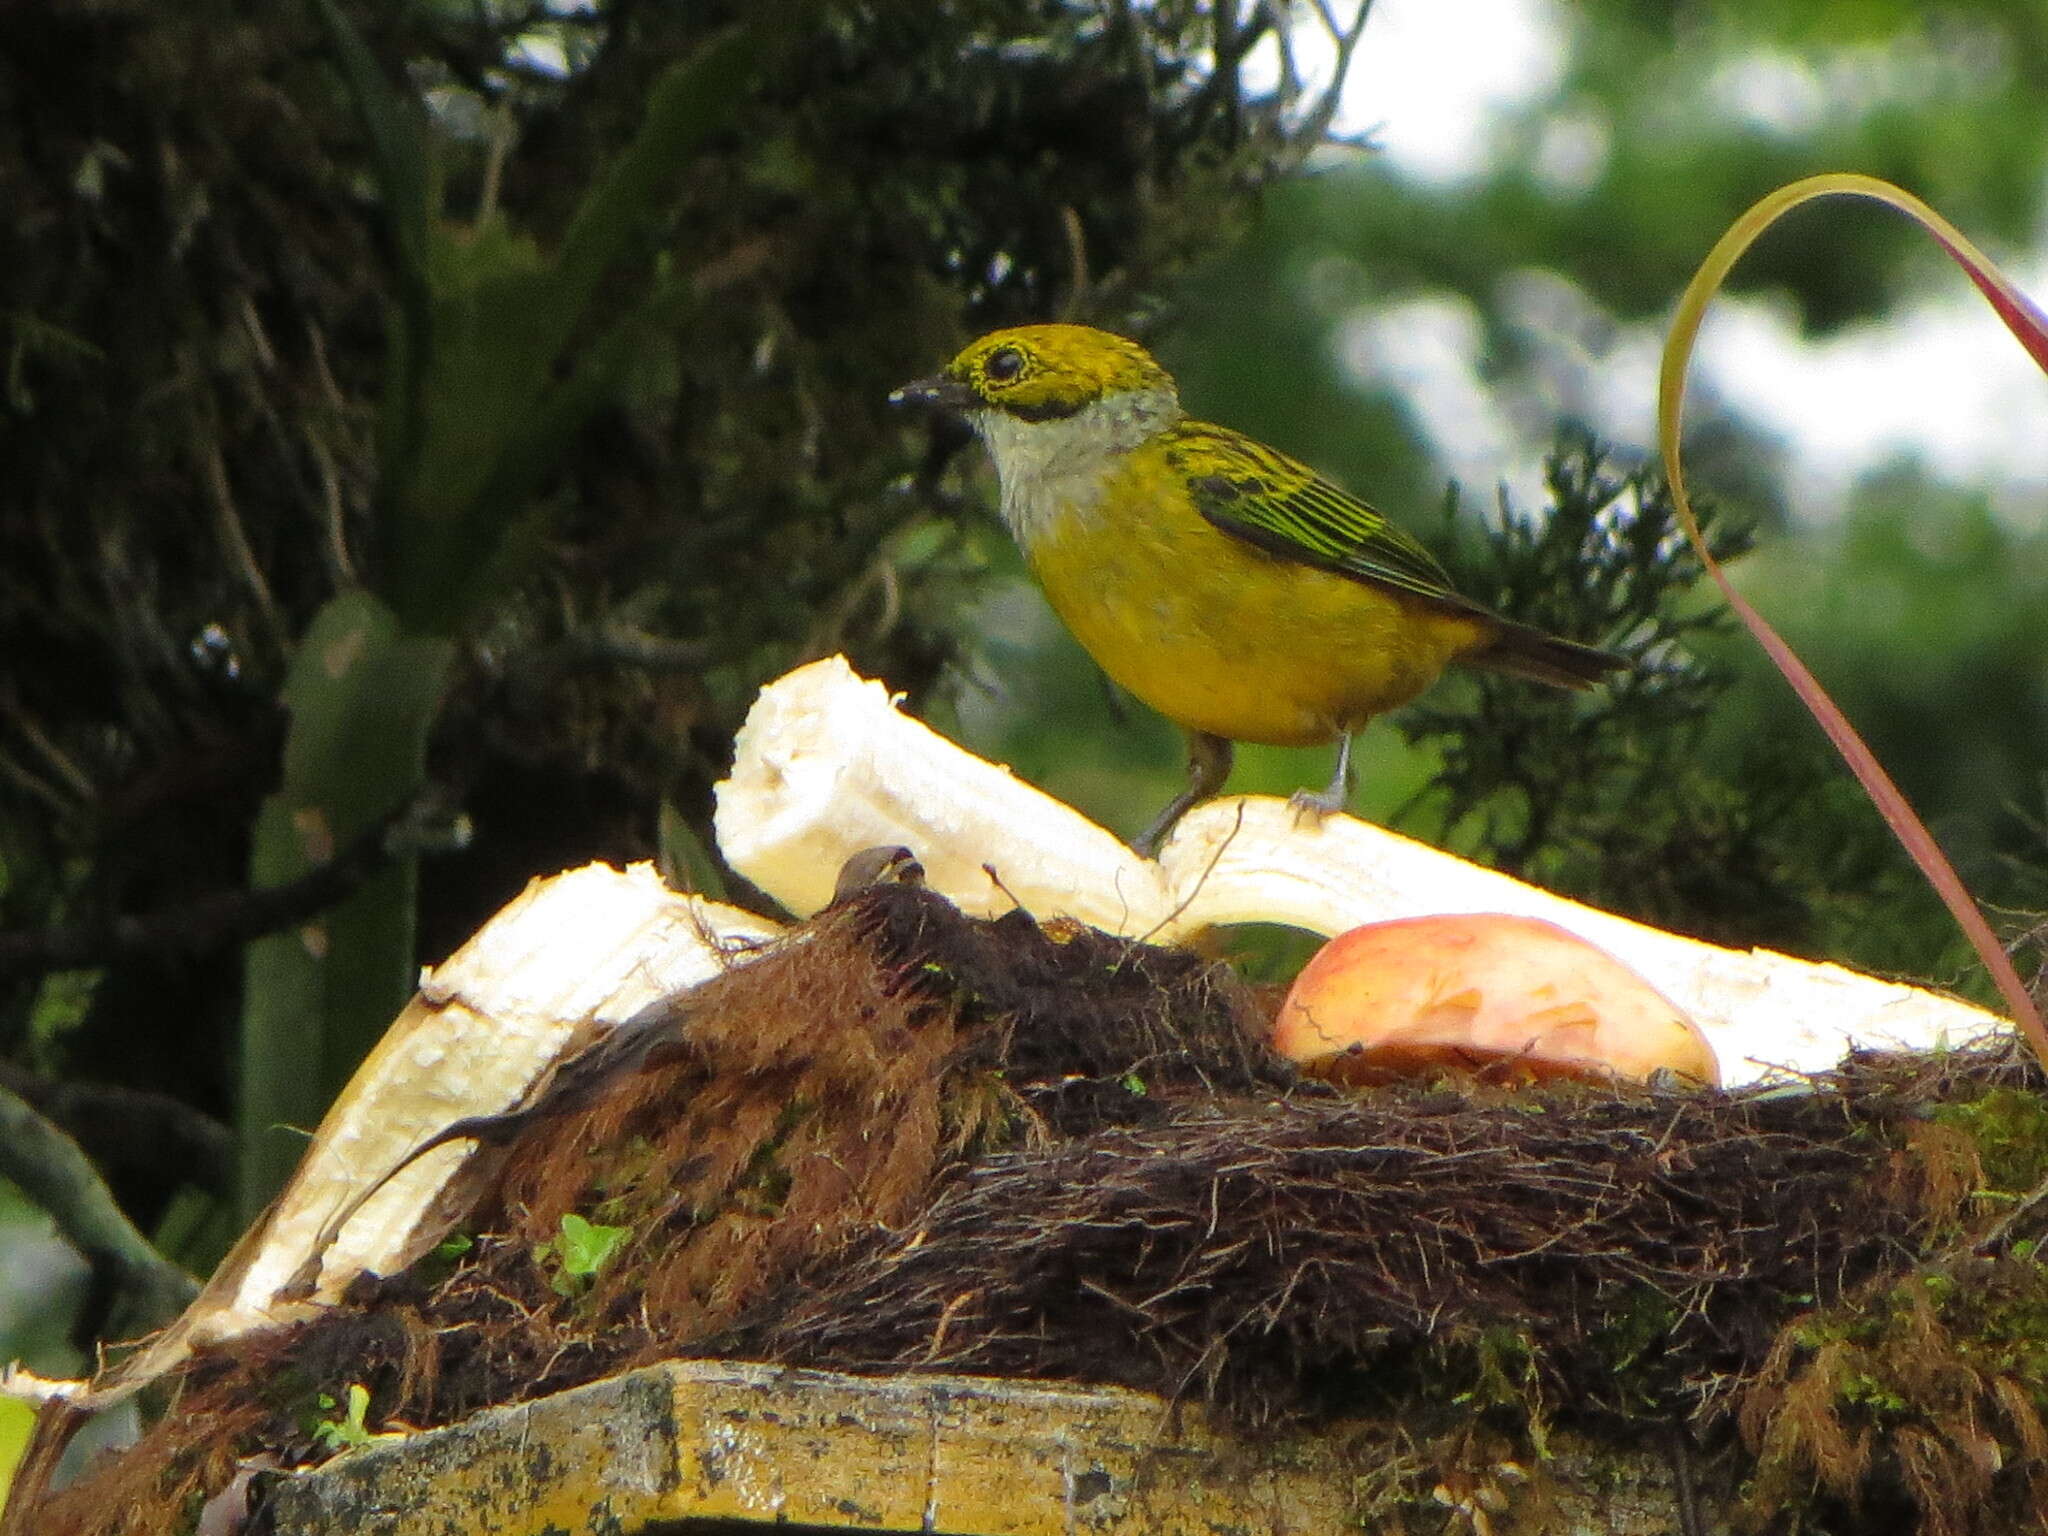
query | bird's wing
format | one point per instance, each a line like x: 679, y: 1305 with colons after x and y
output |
x: 1282, y: 506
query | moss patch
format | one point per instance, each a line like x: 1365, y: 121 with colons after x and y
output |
x: 2007, y: 1128
x: 1924, y: 1391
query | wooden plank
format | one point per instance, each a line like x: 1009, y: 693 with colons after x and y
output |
x: 747, y: 1445
x: 723, y: 1448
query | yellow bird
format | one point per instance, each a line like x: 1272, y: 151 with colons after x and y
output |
x: 1228, y: 586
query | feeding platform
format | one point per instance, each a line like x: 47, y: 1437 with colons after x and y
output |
x: 961, y: 1207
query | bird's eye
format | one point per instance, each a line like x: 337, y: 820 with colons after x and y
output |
x: 1003, y: 365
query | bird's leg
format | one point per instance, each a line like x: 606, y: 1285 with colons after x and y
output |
x: 1208, y: 766
x: 1319, y: 804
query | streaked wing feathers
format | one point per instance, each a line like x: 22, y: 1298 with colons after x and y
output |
x: 1282, y: 506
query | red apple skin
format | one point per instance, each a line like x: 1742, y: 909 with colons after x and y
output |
x: 1505, y: 996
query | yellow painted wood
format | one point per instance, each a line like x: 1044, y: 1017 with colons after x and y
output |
x: 724, y: 1447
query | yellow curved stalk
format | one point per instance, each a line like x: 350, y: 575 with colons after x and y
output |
x: 2027, y: 323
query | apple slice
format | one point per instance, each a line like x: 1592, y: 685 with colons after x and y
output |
x: 1506, y: 997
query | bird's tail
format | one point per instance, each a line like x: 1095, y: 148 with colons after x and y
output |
x: 1521, y: 650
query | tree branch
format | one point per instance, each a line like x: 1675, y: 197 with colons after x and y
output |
x: 130, y: 1128
x: 50, y: 1170
x: 232, y: 917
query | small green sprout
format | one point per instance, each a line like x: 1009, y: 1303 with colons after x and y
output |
x: 348, y: 1431
x: 583, y: 1248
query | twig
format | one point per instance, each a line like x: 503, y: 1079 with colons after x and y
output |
x: 34, y: 784
x: 1077, y: 262
x: 130, y: 1127
x: 74, y: 778
x: 340, y: 567
x: 2001, y: 1232
x: 235, y: 542
x: 233, y: 917
x: 612, y: 644
x: 1316, y: 127
x: 494, y: 161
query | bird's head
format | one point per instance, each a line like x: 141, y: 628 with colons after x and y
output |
x: 1018, y: 383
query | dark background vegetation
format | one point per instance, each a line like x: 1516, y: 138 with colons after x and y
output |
x: 295, y: 370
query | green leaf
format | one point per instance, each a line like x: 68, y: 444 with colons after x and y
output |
x: 586, y: 1247
x: 363, y: 696
x: 689, y: 102
x: 348, y: 1432
x: 686, y: 860
x: 398, y: 149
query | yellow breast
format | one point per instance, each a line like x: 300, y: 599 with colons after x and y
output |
x: 1218, y: 635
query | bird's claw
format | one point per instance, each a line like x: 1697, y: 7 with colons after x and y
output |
x: 1313, y: 805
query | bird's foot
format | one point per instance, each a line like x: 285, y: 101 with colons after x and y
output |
x: 1315, y: 804
x: 1312, y: 805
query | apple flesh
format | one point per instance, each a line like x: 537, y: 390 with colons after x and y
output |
x: 1502, y: 996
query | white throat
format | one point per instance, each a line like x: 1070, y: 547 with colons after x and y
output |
x: 1050, y: 468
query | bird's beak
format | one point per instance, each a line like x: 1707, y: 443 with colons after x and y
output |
x: 947, y: 394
